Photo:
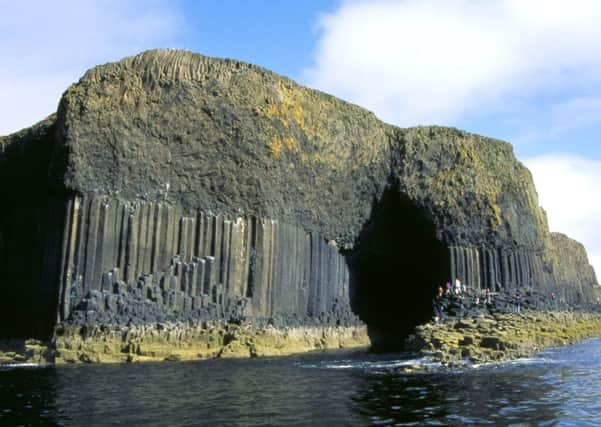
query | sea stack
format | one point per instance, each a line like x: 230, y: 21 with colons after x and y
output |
x: 173, y: 187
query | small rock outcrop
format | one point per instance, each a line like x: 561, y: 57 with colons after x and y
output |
x: 174, y: 187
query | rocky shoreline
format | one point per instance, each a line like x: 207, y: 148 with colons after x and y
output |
x: 477, y: 328
x: 483, y: 338
x: 501, y: 337
x: 177, y: 341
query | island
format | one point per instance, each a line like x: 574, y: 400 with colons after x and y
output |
x: 179, y: 207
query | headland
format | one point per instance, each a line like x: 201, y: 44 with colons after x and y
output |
x: 181, y: 206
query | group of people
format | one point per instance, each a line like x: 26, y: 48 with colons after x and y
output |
x: 457, y: 289
x: 484, y: 297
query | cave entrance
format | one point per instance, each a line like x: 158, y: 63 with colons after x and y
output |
x: 31, y: 230
x: 397, y: 264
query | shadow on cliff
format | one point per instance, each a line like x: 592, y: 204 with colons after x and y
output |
x: 31, y: 223
x: 396, y: 266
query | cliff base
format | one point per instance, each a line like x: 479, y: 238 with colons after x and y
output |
x: 92, y: 343
x: 502, y: 336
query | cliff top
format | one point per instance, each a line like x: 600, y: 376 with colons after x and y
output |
x: 226, y: 136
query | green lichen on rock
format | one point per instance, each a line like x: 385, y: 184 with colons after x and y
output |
x: 576, y: 277
x: 169, y: 342
x: 20, y: 351
x: 502, y: 336
x: 226, y: 136
x: 223, y: 136
x: 473, y: 186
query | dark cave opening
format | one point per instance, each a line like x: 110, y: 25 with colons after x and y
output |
x: 396, y: 267
x: 31, y: 232
x: 30, y: 247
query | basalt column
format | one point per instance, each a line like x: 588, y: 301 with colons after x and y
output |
x: 170, y: 186
x: 195, y: 263
x: 497, y: 269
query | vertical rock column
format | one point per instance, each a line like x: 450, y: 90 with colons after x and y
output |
x: 496, y: 268
x: 277, y: 268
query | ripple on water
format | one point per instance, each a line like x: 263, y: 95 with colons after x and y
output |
x: 370, y: 365
x: 6, y: 366
x: 560, y: 387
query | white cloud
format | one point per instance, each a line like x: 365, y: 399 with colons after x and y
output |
x: 569, y: 190
x: 46, y: 46
x: 531, y: 68
x: 434, y: 61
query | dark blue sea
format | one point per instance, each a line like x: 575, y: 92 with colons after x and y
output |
x: 558, y: 387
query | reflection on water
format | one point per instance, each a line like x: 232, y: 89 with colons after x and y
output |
x: 484, y: 396
x: 331, y: 388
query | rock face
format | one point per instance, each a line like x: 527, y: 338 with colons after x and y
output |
x: 174, y: 186
x: 575, y: 277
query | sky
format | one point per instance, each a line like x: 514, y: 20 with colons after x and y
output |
x: 525, y: 71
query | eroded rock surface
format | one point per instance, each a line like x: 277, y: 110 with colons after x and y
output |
x: 501, y: 337
x: 185, y: 187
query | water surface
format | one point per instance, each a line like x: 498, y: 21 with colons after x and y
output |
x: 558, y: 387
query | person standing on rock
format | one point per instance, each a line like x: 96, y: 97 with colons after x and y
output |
x: 437, y: 305
x: 457, y: 286
x: 439, y: 293
x: 488, y: 296
x: 518, y: 302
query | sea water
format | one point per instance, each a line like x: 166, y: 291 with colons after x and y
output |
x: 558, y: 387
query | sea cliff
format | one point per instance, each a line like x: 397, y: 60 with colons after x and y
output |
x: 173, y: 188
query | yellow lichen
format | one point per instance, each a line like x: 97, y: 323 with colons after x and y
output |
x: 142, y: 344
x: 496, y: 218
x: 288, y: 108
x: 275, y: 146
x: 468, y: 178
x: 290, y: 143
x: 305, y: 122
x: 294, y: 111
x: 504, y: 336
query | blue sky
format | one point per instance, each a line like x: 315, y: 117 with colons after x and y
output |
x: 526, y: 71
x: 279, y: 35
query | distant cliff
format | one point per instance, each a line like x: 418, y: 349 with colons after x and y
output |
x: 575, y: 277
x: 175, y: 186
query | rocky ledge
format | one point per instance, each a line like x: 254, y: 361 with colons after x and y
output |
x: 177, y: 341
x: 485, y: 338
x: 496, y: 335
